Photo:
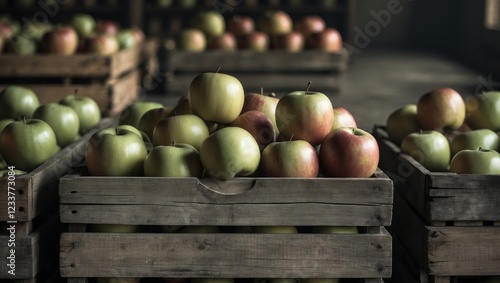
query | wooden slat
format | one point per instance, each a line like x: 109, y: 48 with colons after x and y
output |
x: 462, y: 251
x: 124, y: 92
x: 226, y: 255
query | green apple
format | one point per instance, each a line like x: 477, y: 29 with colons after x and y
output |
x: 133, y: 113
x: 176, y: 160
x: 290, y: 159
x: 126, y: 39
x: 429, y: 148
x: 274, y: 229
x: 402, y: 122
x: 5, y: 173
x: 117, y: 280
x: 210, y: 22
x: 216, y: 97
x: 63, y: 120
x: 275, y: 23
x: 113, y: 228
x: 191, y: 39
x: 22, y: 44
x: 187, y: 4
x: 87, y: 110
x: 126, y: 127
x: 119, y: 153
x: 84, y: 25
x: 304, y: 115
x: 483, y: 111
x: 164, y: 3
x: 36, y: 30
x: 335, y: 230
x: 148, y: 121
x: 479, y: 161
x: 188, y: 128
x: 230, y: 152
x: 199, y: 229
x: 474, y: 139
x: 27, y: 144
x: 3, y: 124
x: 17, y: 102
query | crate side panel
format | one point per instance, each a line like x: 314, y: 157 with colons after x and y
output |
x: 224, y: 255
x: 124, y: 92
x: 25, y: 264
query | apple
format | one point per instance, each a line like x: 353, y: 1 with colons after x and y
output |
x: 216, y: 97
x: 107, y: 27
x: 274, y: 230
x: 292, y: 42
x: 87, y: 110
x: 27, y: 144
x: 226, y: 41
x: 474, y: 139
x: 133, y: 113
x: 118, y: 152
x: 61, y: 40
x: 258, y: 125
x: 328, y: 40
x: 230, y: 152
x: 188, y: 128
x: 6, y: 31
x: 199, y: 229
x: 210, y: 22
x: 429, y: 148
x: 483, y: 111
x: 187, y: 4
x: 113, y: 228
x: 62, y: 119
x: 191, y: 39
x: 164, y: 3
x: 342, y: 118
x: 148, y: 121
x: 36, y: 30
x: 335, y: 230
x: 3, y: 124
x: 441, y: 109
x: 263, y: 103
x: 349, y: 152
x: 103, y: 44
x: 182, y: 106
x: 17, y: 102
x: 2, y: 44
x: 176, y: 160
x: 304, y: 115
x: 476, y: 161
x: 275, y: 22
x: 138, y: 34
x: 310, y: 24
x: 84, y: 25
x: 401, y: 123
x: 256, y: 41
x: 21, y: 45
x: 296, y: 158
x: 126, y: 39
x: 241, y: 25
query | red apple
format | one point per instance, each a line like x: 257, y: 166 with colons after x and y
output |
x: 290, y: 159
x: 441, y: 109
x: 328, y: 40
x: 258, y: 125
x: 275, y: 22
x: 257, y: 41
x: 349, y: 152
x: 240, y: 25
x: 310, y: 24
x: 263, y: 103
x: 6, y: 31
x: 103, y: 44
x: 342, y: 118
x: 292, y: 42
x: 107, y: 27
x: 225, y: 41
x: 191, y: 40
x: 62, y: 40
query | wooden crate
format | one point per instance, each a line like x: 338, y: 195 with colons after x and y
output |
x: 273, y: 70
x: 113, y: 81
x: 365, y: 203
x: 448, y: 222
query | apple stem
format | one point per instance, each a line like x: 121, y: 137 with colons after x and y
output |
x: 24, y: 120
x: 479, y: 149
x: 261, y: 91
x: 421, y: 131
x: 308, y: 86
x: 76, y: 92
x: 291, y: 138
x: 172, y: 143
x: 217, y: 70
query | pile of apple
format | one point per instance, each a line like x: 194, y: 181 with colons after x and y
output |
x: 274, y: 30
x: 82, y: 34
x: 31, y: 133
x: 219, y: 131
x: 446, y: 133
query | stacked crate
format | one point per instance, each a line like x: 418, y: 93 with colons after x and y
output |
x: 233, y: 206
x: 29, y: 240
x: 448, y: 224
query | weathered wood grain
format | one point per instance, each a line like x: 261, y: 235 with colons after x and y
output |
x: 226, y: 255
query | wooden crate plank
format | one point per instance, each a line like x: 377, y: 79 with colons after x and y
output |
x: 124, y: 92
x: 226, y: 255
x: 461, y: 251
x: 25, y: 262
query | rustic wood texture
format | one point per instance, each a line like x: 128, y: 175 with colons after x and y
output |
x: 241, y: 201
x: 226, y: 255
x: 38, y: 189
x: 440, y: 196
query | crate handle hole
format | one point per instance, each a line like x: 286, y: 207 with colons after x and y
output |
x: 21, y: 209
x: 74, y: 192
x: 230, y: 187
x: 20, y: 192
x: 73, y: 211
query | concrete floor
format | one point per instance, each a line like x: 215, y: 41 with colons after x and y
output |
x: 379, y: 81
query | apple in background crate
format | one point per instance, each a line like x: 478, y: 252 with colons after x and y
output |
x: 226, y: 42
x: 441, y: 109
x: 402, y: 122
x: 84, y: 25
x: 293, y: 41
x: 296, y: 158
x: 191, y: 39
x: 17, y: 102
x: 429, y: 148
x: 103, y: 44
x: 61, y: 40
x: 108, y: 27
x: 483, y: 111
x: 349, y: 152
x: 256, y: 41
x: 275, y: 22
x: 210, y: 22
x: 176, y: 160
x: 310, y: 24
x: 328, y: 40
x: 240, y: 25
x: 476, y: 161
